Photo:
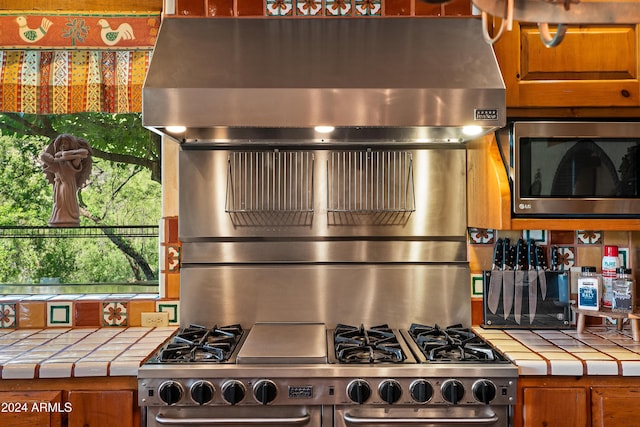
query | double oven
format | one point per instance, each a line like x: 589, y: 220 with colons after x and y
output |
x: 325, y: 285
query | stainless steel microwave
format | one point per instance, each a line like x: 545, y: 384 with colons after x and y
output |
x: 573, y: 169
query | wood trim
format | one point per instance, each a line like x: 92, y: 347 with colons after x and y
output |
x: 575, y: 112
x: 74, y: 5
x: 575, y: 224
x: 488, y: 192
x: 77, y: 384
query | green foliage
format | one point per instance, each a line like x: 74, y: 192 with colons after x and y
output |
x: 23, y: 192
x: 123, y: 190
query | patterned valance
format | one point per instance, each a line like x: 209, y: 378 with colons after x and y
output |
x: 72, y: 81
x: 62, y: 63
x: 55, y: 30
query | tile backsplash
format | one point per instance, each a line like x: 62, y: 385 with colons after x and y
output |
x: 40, y: 311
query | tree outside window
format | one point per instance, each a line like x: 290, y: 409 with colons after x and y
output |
x: 115, y: 249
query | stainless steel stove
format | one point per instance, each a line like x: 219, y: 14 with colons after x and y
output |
x: 323, y: 266
x: 307, y: 374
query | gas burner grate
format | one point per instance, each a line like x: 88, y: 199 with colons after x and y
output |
x: 197, y: 343
x: 373, y: 345
x: 452, y: 344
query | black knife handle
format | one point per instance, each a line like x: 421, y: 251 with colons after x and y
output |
x: 521, y: 255
x: 497, y: 254
x: 541, y: 258
x: 555, y: 259
x: 532, y: 254
x: 506, y: 249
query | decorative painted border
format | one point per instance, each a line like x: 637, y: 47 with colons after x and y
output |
x: 323, y: 7
x: 623, y: 255
x: 566, y: 257
x: 481, y: 236
x: 59, y: 314
x: 8, y: 318
x: 589, y: 237
x: 541, y: 237
x: 172, y: 307
x: 477, y: 285
x: 55, y: 30
x: 115, y: 313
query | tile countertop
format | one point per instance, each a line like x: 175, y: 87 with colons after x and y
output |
x: 86, y: 352
x: 597, y: 351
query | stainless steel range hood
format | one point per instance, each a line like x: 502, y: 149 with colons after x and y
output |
x: 374, y: 80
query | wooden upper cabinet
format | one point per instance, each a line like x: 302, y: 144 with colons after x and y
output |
x: 594, y: 66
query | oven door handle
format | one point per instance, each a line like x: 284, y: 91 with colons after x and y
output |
x: 350, y: 419
x: 304, y: 419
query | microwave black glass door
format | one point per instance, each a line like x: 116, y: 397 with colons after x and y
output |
x: 585, y: 168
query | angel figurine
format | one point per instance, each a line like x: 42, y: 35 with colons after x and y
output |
x: 66, y: 163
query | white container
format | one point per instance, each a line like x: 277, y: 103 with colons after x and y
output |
x: 589, y: 289
x: 610, y: 263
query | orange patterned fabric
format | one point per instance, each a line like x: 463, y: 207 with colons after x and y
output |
x: 72, y: 81
x: 62, y: 63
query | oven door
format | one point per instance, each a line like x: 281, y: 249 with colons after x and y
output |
x: 387, y: 416
x: 237, y: 416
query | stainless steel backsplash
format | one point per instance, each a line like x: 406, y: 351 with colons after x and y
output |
x: 323, y: 234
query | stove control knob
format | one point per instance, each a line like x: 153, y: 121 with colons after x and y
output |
x: 170, y: 392
x: 358, y: 391
x: 202, y: 392
x: 452, y: 391
x: 421, y: 391
x: 233, y: 391
x: 484, y: 391
x: 265, y: 391
x: 390, y: 391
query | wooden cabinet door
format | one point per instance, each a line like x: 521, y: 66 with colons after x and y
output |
x: 594, y: 66
x: 557, y: 407
x: 101, y: 408
x: 31, y: 408
x: 615, y: 406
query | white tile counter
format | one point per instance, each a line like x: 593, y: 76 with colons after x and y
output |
x: 101, y: 352
x: 86, y: 352
x: 597, y: 351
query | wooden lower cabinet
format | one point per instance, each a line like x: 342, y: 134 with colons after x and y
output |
x: 101, y: 408
x: 578, y: 402
x: 31, y: 408
x: 558, y: 407
x: 615, y: 406
x: 70, y: 402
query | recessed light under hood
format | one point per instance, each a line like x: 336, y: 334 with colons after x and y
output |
x: 375, y: 80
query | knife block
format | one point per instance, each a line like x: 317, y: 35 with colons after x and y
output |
x: 552, y: 312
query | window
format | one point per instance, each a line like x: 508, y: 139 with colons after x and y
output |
x: 115, y: 247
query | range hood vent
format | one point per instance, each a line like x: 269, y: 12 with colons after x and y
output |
x: 413, y: 80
